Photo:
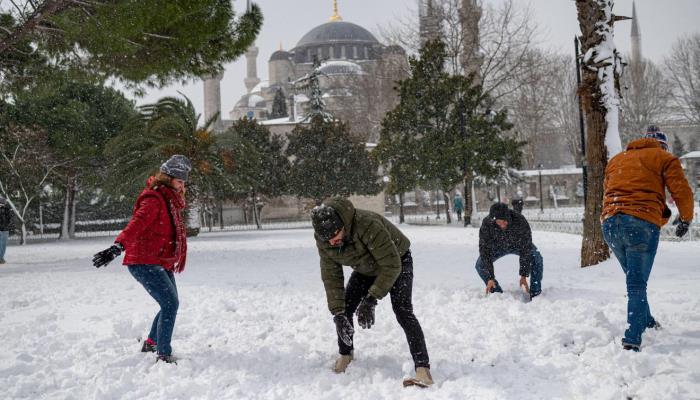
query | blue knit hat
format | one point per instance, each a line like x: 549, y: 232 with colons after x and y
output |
x: 177, y: 166
x: 654, y: 132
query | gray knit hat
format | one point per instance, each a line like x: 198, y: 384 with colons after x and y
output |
x: 177, y: 166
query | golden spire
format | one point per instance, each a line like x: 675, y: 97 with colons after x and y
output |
x: 336, y: 16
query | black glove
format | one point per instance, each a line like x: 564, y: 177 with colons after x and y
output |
x: 682, y: 228
x: 106, y: 256
x: 365, y: 312
x: 344, y: 328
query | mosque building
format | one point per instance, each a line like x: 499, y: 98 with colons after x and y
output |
x: 357, y: 78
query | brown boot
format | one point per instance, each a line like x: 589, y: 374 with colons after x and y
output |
x: 423, y: 378
x: 341, y: 364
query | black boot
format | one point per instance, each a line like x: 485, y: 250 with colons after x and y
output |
x: 167, y: 359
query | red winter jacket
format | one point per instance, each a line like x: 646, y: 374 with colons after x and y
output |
x: 156, y: 233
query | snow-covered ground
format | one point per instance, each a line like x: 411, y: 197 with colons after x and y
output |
x: 253, y: 324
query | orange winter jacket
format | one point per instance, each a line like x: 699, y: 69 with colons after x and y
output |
x: 636, y: 182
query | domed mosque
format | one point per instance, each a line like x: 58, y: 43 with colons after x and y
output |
x: 358, y: 75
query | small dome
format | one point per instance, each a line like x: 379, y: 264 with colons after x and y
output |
x: 280, y: 55
x: 251, y: 100
x: 341, y: 68
x: 260, y: 86
x: 337, y: 31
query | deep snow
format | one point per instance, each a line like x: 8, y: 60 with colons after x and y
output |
x: 253, y: 324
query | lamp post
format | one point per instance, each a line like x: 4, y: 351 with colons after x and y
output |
x: 539, y: 169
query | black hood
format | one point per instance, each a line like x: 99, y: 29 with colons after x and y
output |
x: 500, y: 211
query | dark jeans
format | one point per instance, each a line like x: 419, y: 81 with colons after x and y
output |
x: 400, y: 293
x: 634, y: 243
x: 535, y: 273
x: 160, y: 284
x: 459, y: 215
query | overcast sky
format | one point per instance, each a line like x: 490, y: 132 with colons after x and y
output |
x: 286, y: 21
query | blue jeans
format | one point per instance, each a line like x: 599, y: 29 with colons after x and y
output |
x: 160, y: 284
x: 535, y: 272
x: 3, y: 243
x: 634, y: 243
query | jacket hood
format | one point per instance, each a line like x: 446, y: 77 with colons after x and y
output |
x: 644, y: 143
x: 500, y: 211
x: 345, y: 209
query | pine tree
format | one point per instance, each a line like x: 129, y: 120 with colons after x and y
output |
x: 442, y: 128
x: 279, y: 105
x: 79, y: 118
x: 261, y: 168
x: 147, y: 42
x: 311, y: 84
x: 327, y: 162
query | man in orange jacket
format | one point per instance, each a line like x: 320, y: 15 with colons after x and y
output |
x: 634, y: 208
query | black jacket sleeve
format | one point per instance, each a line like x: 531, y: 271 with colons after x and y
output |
x: 524, y: 246
x: 486, y: 248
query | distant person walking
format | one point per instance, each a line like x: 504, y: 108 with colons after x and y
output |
x: 155, y: 242
x: 634, y: 208
x: 5, y: 227
x: 458, y: 205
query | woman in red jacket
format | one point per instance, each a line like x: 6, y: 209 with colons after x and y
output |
x: 156, y: 246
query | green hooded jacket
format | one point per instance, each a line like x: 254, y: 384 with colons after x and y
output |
x: 373, y: 246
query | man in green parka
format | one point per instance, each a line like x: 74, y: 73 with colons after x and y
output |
x: 382, y: 264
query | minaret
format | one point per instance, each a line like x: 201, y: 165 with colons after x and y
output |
x: 428, y: 21
x: 212, y: 96
x: 251, y: 56
x: 335, y: 17
x: 636, y: 39
x: 471, y: 57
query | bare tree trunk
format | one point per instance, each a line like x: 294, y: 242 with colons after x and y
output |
x: 71, y: 226
x: 402, y: 217
x: 437, y: 204
x: 594, y: 250
x: 447, y: 206
x: 67, y: 207
x: 468, y: 200
x: 221, y: 214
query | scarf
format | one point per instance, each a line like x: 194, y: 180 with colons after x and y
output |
x: 176, y: 203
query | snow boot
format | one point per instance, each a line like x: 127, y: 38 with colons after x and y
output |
x: 655, y: 325
x: 630, y: 346
x: 423, y: 378
x: 342, y: 362
x: 167, y: 359
x: 149, y: 346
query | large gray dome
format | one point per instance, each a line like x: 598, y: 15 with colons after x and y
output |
x: 337, y: 31
x: 337, y: 40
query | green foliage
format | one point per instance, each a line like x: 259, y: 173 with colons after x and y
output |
x: 279, y: 105
x: 257, y: 161
x: 442, y: 130
x: 310, y: 83
x: 327, y: 162
x: 152, y: 42
x: 18, y: 68
x: 79, y: 117
x: 167, y: 127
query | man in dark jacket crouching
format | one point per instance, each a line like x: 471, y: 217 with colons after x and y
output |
x: 505, y: 232
x: 381, y: 261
